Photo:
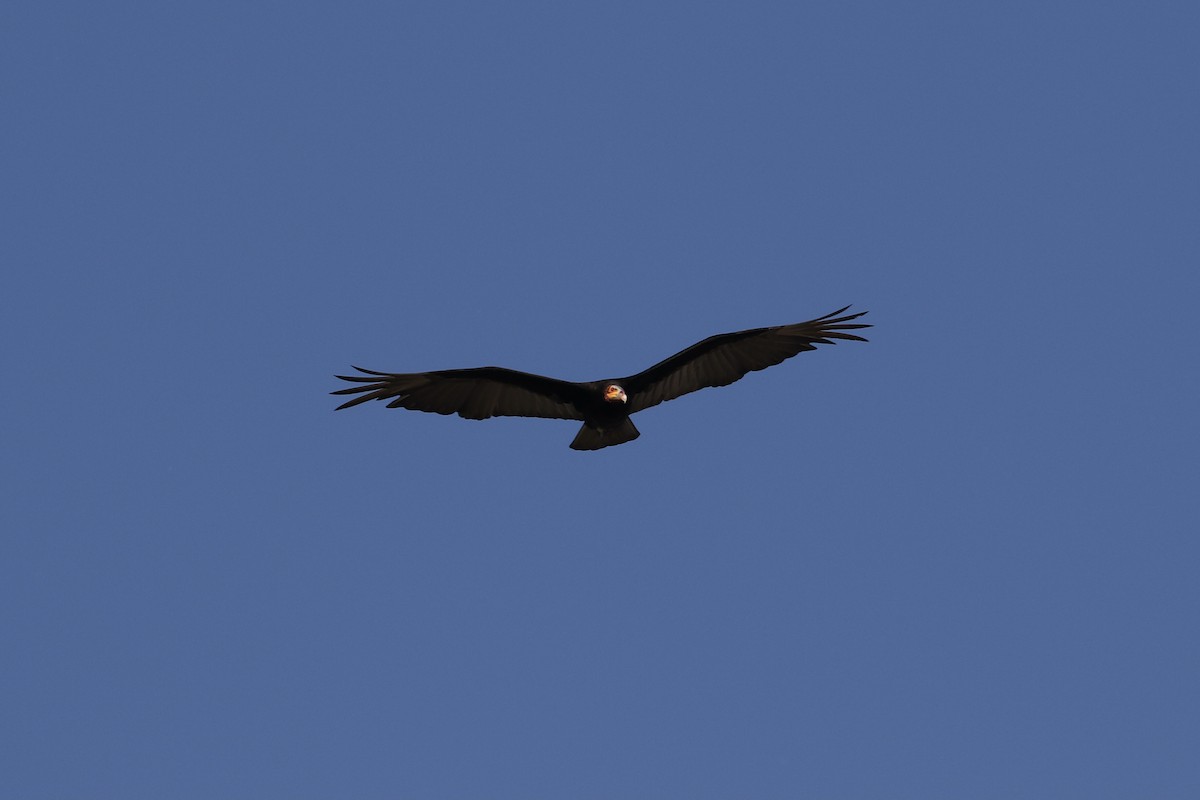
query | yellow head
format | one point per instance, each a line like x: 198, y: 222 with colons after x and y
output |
x: 614, y: 394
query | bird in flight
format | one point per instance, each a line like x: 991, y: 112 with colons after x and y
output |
x: 603, y: 406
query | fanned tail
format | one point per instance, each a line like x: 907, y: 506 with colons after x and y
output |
x: 594, y: 438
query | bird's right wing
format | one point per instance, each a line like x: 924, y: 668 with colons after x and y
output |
x: 471, y: 393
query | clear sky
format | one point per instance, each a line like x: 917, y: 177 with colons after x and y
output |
x: 958, y: 561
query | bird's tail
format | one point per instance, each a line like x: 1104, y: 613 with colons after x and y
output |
x: 594, y: 438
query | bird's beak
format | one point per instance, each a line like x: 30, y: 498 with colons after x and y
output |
x: 615, y: 394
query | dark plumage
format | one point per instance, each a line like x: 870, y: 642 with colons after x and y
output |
x: 603, y: 406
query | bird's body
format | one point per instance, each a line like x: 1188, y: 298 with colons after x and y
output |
x: 603, y: 406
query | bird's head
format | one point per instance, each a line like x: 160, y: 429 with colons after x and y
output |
x: 615, y: 394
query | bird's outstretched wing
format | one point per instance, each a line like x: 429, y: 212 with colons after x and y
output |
x: 722, y: 359
x: 472, y: 393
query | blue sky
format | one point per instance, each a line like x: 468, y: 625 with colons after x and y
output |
x: 958, y: 561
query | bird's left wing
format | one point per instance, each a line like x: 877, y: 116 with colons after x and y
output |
x: 471, y: 393
x: 722, y: 359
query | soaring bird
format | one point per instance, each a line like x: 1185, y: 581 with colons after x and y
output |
x: 603, y: 406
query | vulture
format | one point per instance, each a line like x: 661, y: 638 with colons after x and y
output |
x: 603, y: 406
